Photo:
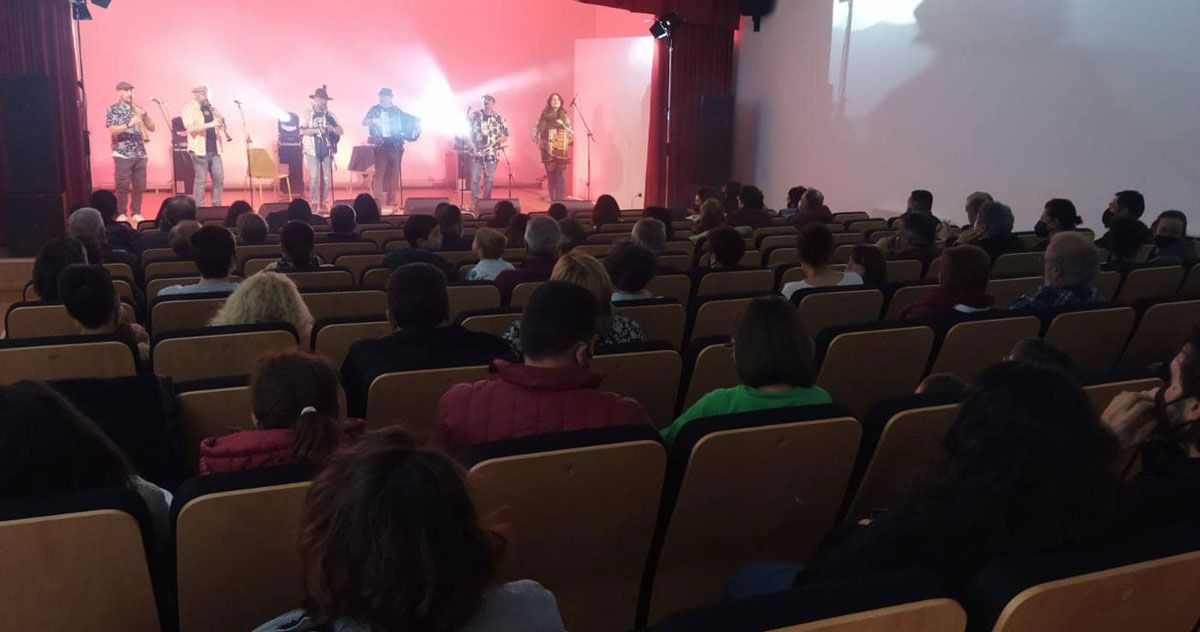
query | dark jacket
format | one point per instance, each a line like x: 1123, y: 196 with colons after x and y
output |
x: 122, y: 237
x: 414, y: 350
x: 455, y: 243
x: 804, y: 217
x: 1000, y: 245
x: 936, y: 307
x: 405, y: 256
x: 533, y: 270
x: 254, y: 449
x: 1143, y: 230
x: 339, y: 238
x: 752, y: 217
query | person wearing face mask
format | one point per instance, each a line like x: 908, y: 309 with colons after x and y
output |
x: 1171, y: 242
x: 1057, y: 216
x: 1130, y: 204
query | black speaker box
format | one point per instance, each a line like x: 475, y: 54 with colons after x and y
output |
x: 32, y: 219
x: 716, y: 139
x: 30, y: 151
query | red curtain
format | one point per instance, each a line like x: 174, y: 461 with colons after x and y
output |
x: 36, y: 39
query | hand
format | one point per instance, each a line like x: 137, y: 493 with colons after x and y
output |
x: 1129, y: 417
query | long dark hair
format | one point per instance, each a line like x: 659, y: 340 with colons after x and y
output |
x: 52, y: 259
x: 47, y: 446
x: 366, y: 209
x: 771, y: 346
x: 549, y: 111
x: 391, y: 539
x: 606, y: 211
x: 298, y: 390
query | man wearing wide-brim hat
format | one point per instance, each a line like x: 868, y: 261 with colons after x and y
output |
x: 320, y: 131
x: 390, y: 127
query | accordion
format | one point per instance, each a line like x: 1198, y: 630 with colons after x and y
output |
x: 557, y: 142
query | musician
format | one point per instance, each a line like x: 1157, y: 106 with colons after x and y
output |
x: 320, y: 131
x: 130, y: 127
x: 390, y: 127
x: 553, y: 136
x: 205, y: 127
x: 489, y: 132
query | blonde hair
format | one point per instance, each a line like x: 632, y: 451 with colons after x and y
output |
x: 491, y: 242
x: 267, y: 297
x: 583, y: 269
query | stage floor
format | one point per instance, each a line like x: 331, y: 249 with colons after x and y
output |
x: 532, y: 199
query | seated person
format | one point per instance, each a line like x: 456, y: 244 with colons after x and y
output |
x: 173, y: 210
x: 869, y: 262
x: 994, y: 229
x: 294, y: 396
x: 1171, y: 242
x: 961, y: 290
x: 812, y: 210
x: 297, y: 249
x: 917, y: 239
x: 585, y: 270
x: 1072, y: 264
x: 343, y: 227
x: 49, y: 447
x: 942, y: 384
x: 54, y: 257
x: 502, y: 215
x: 712, y: 217
x: 90, y: 298
x: 968, y: 234
x: 557, y: 211
x: 423, y: 236
x: 774, y: 358
x: 606, y: 211
x: 425, y: 560
x: 630, y: 267
x: 515, y: 232
x: 726, y: 247
x: 572, y: 234
x: 1127, y: 204
x: 266, y: 297
x: 236, y: 210
x: 449, y: 219
x: 214, y: 251
x: 553, y: 391
x: 120, y: 235
x: 1124, y: 244
x: 252, y: 229
x: 86, y: 225
x: 299, y: 210
x: 417, y: 309
x: 651, y: 234
x: 751, y: 211
x: 366, y: 209
x: 180, y: 238
x: 1041, y: 353
x: 920, y: 202
x: 1057, y: 216
x: 663, y: 215
x: 489, y: 244
x: 542, y: 241
x: 815, y: 246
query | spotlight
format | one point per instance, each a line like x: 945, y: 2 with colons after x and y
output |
x: 79, y: 10
x: 289, y: 129
x: 664, y: 25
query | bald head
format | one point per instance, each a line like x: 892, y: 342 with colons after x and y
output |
x: 1071, y: 260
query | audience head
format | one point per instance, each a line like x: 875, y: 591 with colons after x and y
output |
x: 1071, y: 260
x: 586, y: 271
x: 712, y: 213
x: 1125, y: 238
x: 175, y: 210
x: 266, y: 297
x: 390, y: 539
x: 252, y: 229
x: 663, y: 215
x: 299, y: 210
x: 558, y: 211
x: 47, y: 446
x: 1058, y: 215
x: 105, y: 202
x: 812, y: 199
x: 975, y: 201
x: 920, y: 201
x: 236, y: 210
x: 86, y: 225
x: 606, y: 211
x: 503, y: 214
x: 1177, y: 405
x: 515, y: 233
x: 560, y: 323
x: 869, y: 262
x: 417, y: 297
x: 702, y: 194
x: 1039, y: 352
x: 297, y: 242
x: 726, y: 247
x: 214, y: 251
x: 543, y: 237
x: 794, y: 195
x: 54, y: 256
x: 751, y: 197
x: 572, y: 234
x: 995, y: 219
x: 341, y: 220
x: 943, y: 385
x: 731, y: 191
x: 919, y: 229
x: 180, y: 238
x: 366, y: 209
x: 88, y: 294
x: 298, y: 390
x: 630, y: 266
x: 489, y: 243
x: 770, y: 345
x: 1169, y: 229
x: 1127, y: 204
x: 965, y: 270
x: 422, y: 232
x: 449, y: 218
x: 815, y: 245
x: 651, y: 234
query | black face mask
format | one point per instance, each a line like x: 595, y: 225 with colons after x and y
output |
x: 1166, y: 241
x: 1107, y: 218
x: 1041, y: 229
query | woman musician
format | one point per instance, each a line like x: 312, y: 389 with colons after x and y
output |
x: 553, y: 137
x: 202, y: 120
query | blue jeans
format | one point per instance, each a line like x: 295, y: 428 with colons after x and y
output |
x: 206, y: 166
x: 762, y: 578
x: 320, y: 179
x: 483, y: 174
x: 556, y: 182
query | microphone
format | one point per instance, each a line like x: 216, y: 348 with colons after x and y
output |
x: 573, y: 99
x: 237, y: 102
x: 155, y: 100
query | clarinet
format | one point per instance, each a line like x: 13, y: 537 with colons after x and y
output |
x: 217, y: 115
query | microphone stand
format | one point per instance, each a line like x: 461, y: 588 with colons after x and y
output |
x: 590, y: 138
x: 249, y: 179
x: 508, y: 166
x: 162, y: 109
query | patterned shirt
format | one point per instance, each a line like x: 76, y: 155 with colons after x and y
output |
x: 127, y: 144
x: 486, y: 130
x: 1051, y: 296
x: 624, y: 330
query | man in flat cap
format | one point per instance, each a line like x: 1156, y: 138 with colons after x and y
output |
x: 129, y: 126
x: 203, y: 122
x: 390, y: 127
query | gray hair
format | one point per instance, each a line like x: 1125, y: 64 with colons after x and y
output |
x: 1076, y: 257
x: 814, y: 197
x: 996, y: 217
x: 86, y: 223
x: 976, y: 200
x: 651, y: 234
x: 542, y: 236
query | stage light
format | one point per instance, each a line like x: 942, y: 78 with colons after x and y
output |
x: 79, y: 10
x: 664, y: 25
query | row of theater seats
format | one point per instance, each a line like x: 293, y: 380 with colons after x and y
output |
x: 651, y: 531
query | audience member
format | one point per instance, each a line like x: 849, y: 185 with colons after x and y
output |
x: 1124, y: 244
x: 946, y: 385
x: 180, y: 238
x: 815, y: 246
x: 970, y: 232
x: 920, y: 202
x: 606, y: 211
x: 869, y: 262
x: 90, y: 299
x: 553, y: 391
x: 343, y: 228
x: 812, y: 210
x: 54, y: 256
x: 730, y: 194
x: 572, y: 234
x: 663, y: 215
x: 712, y: 216
x: 961, y: 290
x: 450, y: 221
x: 917, y: 239
x: 489, y: 245
x: 1131, y: 205
x: 267, y: 297
x: 794, y: 196
x: 120, y: 236
x: 751, y: 211
x: 1057, y: 216
x: 502, y: 214
x: 294, y: 397
x: 252, y: 229
x: 995, y: 226
x: 702, y: 194
x: 236, y: 210
x: 299, y: 210
x: 214, y: 252
x: 423, y: 236
x: 630, y: 266
x: 650, y: 234
x: 586, y: 271
x: 297, y: 249
x: 542, y: 241
x: 86, y: 225
x: 366, y: 209
x: 558, y: 211
x: 774, y: 359
x: 515, y: 233
x: 1072, y: 263
x: 725, y: 249
x: 1171, y: 243
x: 174, y: 210
x: 418, y: 307
x: 1041, y: 353
x: 390, y: 540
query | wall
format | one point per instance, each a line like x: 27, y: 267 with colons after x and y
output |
x: 1026, y: 99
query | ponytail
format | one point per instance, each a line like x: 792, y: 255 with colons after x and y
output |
x: 315, y: 436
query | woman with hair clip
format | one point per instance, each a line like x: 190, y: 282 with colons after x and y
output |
x: 553, y: 136
x: 294, y: 396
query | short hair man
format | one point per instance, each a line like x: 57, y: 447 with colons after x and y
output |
x: 1125, y: 243
x: 1072, y: 263
x: 1127, y: 204
x: 252, y: 228
x: 920, y: 201
x: 994, y: 226
x: 1171, y: 242
x: 121, y: 236
x: 423, y: 236
x: 213, y: 250
x: 180, y: 237
x: 543, y: 238
x: 449, y: 219
x: 751, y: 211
x: 651, y: 234
x: 553, y: 391
x: 343, y: 227
x: 174, y: 210
x: 970, y: 233
x: 630, y: 266
x: 812, y: 210
x: 418, y: 307
x: 726, y: 248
